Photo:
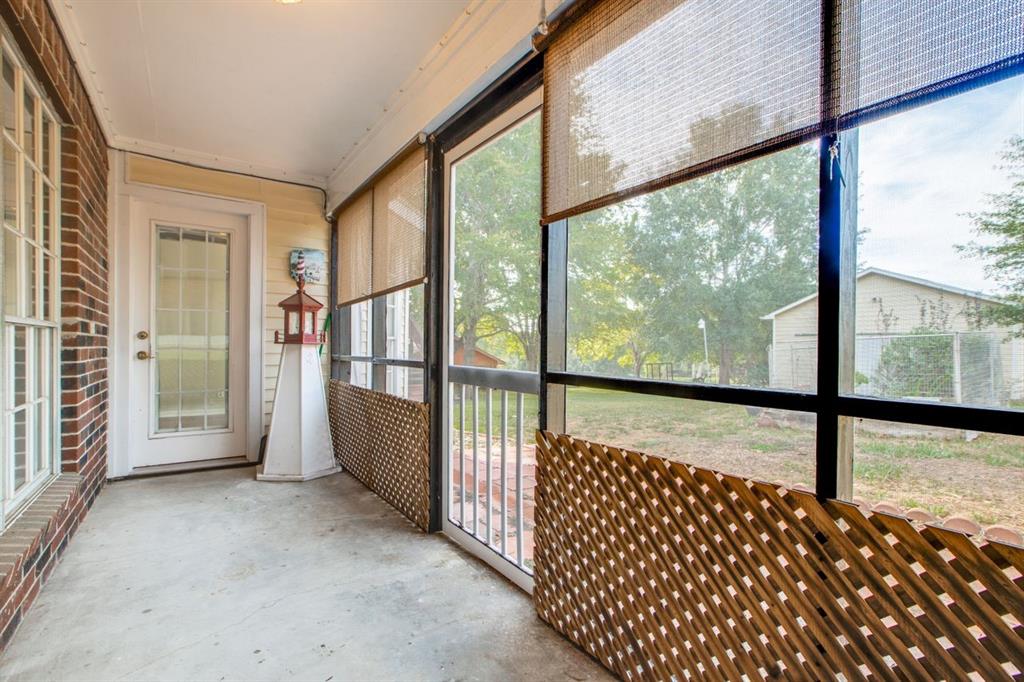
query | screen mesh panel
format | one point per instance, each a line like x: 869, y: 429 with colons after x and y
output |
x: 355, y: 241
x: 399, y: 225
x: 895, y: 48
x: 637, y: 92
x: 640, y: 95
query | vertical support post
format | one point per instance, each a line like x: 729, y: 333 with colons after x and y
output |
x: 462, y: 455
x: 847, y: 340
x: 333, y: 346
x: 504, y: 473
x: 476, y: 460
x: 341, y: 321
x: 553, y: 273
x: 435, y: 360
x: 520, y: 524
x: 487, y: 476
x: 829, y: 261
x: 958, y: 380
x: 378, y: 316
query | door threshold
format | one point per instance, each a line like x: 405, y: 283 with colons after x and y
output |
x: 186, y: 467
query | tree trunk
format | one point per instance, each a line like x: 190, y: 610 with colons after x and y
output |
x: 724, y: 365
x: 469, y: 344
x: 638, y: 360
x: 531, y: 350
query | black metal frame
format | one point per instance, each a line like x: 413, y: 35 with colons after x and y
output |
x: 829, y: 404
x: 518, y: 82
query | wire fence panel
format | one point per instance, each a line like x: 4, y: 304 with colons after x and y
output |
x: 983, y: 368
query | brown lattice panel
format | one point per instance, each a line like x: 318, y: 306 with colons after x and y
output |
x: 666, y: 571
x: 384, y: 441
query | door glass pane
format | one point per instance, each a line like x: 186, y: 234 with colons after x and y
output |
x: 168, y: 371
x: 168, y: 411
x: 217, y: 410
x: 217, y: 329
x: 193, y: 407
x: 217, y: 252
x: 191, y: 329
x: 193, y: 290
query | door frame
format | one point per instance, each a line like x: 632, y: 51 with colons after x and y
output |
x: 124, y: 197
x: 512, y: 116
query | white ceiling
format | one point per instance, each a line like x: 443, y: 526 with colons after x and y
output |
x: 279, y: 90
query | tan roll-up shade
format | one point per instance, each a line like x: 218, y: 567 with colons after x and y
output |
x: 641, y: 94
x: 400, y: 225
x: 636, y: 93
x: 355, y: 242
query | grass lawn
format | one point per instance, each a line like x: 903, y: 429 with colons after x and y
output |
x: 982, y: 479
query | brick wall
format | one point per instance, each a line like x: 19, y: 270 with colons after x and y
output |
x: 29, y: 548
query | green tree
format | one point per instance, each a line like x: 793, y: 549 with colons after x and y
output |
x: 730, y: 246
x: 496, y: 204
x: 1000, y: 232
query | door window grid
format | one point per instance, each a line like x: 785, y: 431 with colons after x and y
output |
x: 29, y: 189
x: 192, y: 325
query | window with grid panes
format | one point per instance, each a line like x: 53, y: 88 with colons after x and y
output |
x: 29, y: 194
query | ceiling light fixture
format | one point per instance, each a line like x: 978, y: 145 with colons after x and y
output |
x: 287, y: 2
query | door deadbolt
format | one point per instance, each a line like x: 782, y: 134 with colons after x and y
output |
x: 142, y: 335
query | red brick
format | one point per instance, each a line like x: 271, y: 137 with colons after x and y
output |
x: 84, y: 295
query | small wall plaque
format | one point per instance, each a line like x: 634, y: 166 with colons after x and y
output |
x: 316, y: 265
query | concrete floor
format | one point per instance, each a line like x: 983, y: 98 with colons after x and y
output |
x: 213, y: 576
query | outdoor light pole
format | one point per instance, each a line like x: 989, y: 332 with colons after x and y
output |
x: 704, y: 328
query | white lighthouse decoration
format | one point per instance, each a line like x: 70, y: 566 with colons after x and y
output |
x: 299, y: 443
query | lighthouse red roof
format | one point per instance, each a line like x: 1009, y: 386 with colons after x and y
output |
x: 300, y: 299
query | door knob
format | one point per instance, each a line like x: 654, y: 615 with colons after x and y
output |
x: 144, y: 355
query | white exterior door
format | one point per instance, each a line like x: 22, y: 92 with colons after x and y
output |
x: 188, y: 310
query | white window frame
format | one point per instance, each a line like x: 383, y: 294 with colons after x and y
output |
x: 13, y: 502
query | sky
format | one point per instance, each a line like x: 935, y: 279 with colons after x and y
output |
x: 922, y: 170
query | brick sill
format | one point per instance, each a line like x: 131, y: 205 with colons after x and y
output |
x: 32, y: 545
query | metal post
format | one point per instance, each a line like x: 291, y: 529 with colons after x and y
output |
x: 476, y: 460
x: 553, y: 312
x: 519, y: 479
x: 958, y: 386
x: 435, y: 360
x: 487, y: 477
x: 504, y: 473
